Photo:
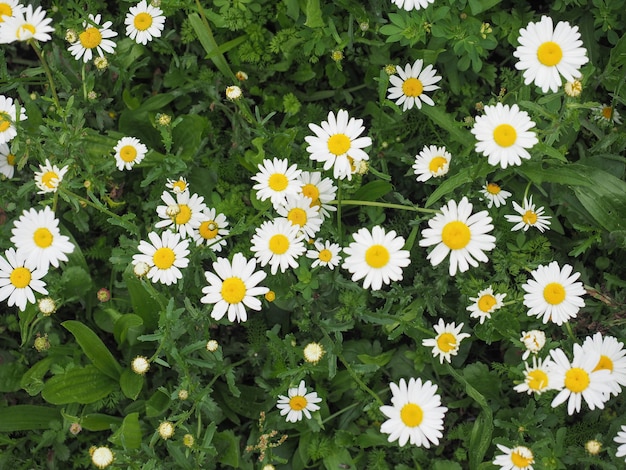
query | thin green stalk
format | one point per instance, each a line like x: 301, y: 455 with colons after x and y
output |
x: 47, y: 71
x: 358, y: 380
x: 354, y: 202
x: 338, y: 202
x: 95, y: 206
x: 568, y: 327
x: 527, y: 189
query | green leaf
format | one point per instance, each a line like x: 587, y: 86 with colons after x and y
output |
x: 144, y: 303
x: 10, y: 376
x: 205, y: 36
x: 187, y: 135
x: 28, y: 418
x: 81, y: 385
x: 94, y: 348
x: 373, y: 190
x: 127, y: 328
x: 32, y: 380
x: 157, y: 404
x: 129, y: 434
x: 379, y: 360
x: 466, y: 175
x: 99, y: 422
x: 313, y: 14
x: 227, y: 446
x: 131, y: 384
x: 478, y: 6
x: 447, y: 122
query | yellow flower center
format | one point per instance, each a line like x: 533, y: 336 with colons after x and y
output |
x: 279, y: 244
x: 607, y: 112
x: 208, y: 229
x: 42, y: 237
x: 437, y: 164
x: 297, y: 216
x: 605, y: 363
x: 311, y: 191
x: 456, y: 235
x: 297, y: 403
x: 5, y: 121
x: 90, y: 38
x: 50, y: 179
x: 180, y: 185
x: 412, y: 87
x: 493, y: 188
x: 20, y: 277
x: 411, y: 415
x: 142, y: 21
x: 576, y: 380
x: 446, y: 342
x: 554, y: 293
x: 549, y: 53
x: 164, y: 258
x: 184, y: 215
x: 529, y: 218
x: 278, y: 182
x: 486, y: 302
x: 5, y: 9
x: 270, y: 296
x: 505, y: 135
x: 11, y: 159
x: 325, y: 255
x: 128, y: 153
x: 25, y: 31
x: 537, y: 380
x: 520, y: 461
x: 233, y: 290
x: 338, y: 144
x: 377, y: 256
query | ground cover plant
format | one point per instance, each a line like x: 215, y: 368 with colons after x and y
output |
x: 304, y: 234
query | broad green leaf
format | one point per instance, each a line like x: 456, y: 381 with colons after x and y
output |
x: 32, y: 380
x: 227, y: 446
x: 10, y: 376
x: 313, y: 14
x: 373, y: 190
x: 379, y: 360
x: 478, y: 6
x: 26, y: 319
x: 28, y: 418
x: 144, y: 303
x: 187, y: 135
x: 157, y: 404
x: 339, y: 458
x: 99, y: 422
x: 94, y: 348
x: 81, y: 385
x: 131, y: 384
x: 127, y: 328
x: 129, y: 433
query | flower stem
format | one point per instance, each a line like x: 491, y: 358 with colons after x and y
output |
x: 47, y: 71
x: 354, y: 202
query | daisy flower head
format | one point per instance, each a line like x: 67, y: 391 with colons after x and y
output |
x: 529, y: 216
x: 320, y: 190
x: 409, y: 5
x: 9, y: 8
x: 36, y: 234
x: 546, y: 53
x: 376, y: 256
x: 325, y: 254
x: 504, y: 135
x: 19, y: 278
x: 233, y: 93
x: 448, y: 340
x: 298, y: 402
x: 495, y: 195
x: 49, y: 177
x: 166, y: 254
x: 536, y: 377
x: 275, y: 180
x: 8, y: 117
x: 183, y: 214
x: 411, y: 83
x: 313, y: 353
x: 534, y: 341
x: 94, y: 36
x: 177, y: 186
x: 516, y: 458
x: 233, y: 287
x: 102, y: 457
x: 458, y: 232
x: 7, y: 161
x: 415, y: 415
x: 620, y: 438
x: 279, y: 244
x: 299, y: 211
x: 612, y: 358
x: 606, y: 114
x: 211, y: 230
x: 25, y: 24
x: 337, y: 143
x: 579, y: 380
x: 431, y: 162
x: 485, y: 303
x: 128, y: 152
x: 553, y: 294
x: 144, y: 22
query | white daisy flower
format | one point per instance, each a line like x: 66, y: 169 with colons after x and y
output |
x: 298, y: 402
x: 458, y: 232
x: 320, y: 190
x: 579, y: 380
x: 278, y: 244
x: 504, y: 135
x: 545, y: 52
x: 536, y: 377
x: 534, y: 341
x: 412, y: 82
x: 94, y: 36
x: 529, y: 217
x: 409, y: 5
x: 495, y: 195
x: 183, y: 214
x: 8, y: 117
x: 299, y: 211
x: 432, y: 162
x: 275, y: 181
x: 19, y: 278
x: 485, y: 303
x: 416, y: 415
x: 165, y: 256
x: 448, y: 340
x: 37, y: 235
x: 552, y: 293
x: 212, y: 229
x: 612, y: 358
x: 376, y: 256
x: 49, y: 177
x: 606, y: 114
x: 177, y: 186
x: 7, y: 161
x: 144, y: 22
x: 128, y: 152
x: 233, y: 287
x: 325, y: 254
x: 9, y: 8
x: 25, y: 24
x: 516, y: 458
x: 337, y: 144
x: 620, y: 438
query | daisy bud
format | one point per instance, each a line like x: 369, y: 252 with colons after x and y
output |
x: 390, y: 69
x: 75, y: 428
x: 166, y: 429
x: 337, y: 56
x: 104, y: 295
x: 164, y: 119
x: 534, y: 340
x: 101, y: 457
x: 573, y: 88
x: 71, y: 36
x: 188, y: 440
x: 41, y: 343
x: 270, y: 296
x: 183, y: 394
x: 141, y: 269
x: 212, y: 345
x: 241, y: 76
x: 172, y: 211
x: 101, y: 63
x: 313, y: 352
x: 140, y: 365
x: 46, y: 306
x: 233, y: 92
x: 593, y: 447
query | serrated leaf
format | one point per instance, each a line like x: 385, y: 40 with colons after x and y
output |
x: 81, y: 385
x: 94, y: 348
x: 28, y: 418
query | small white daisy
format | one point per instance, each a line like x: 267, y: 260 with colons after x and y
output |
x: 536, y: 377
x: 128, y: 152
x: 165, y: 256
x: 546, y: 53
x: 416, y: 415
x: 612, y: 358
x: 183, y: 214
x: 620, y: 438
x: 49, y: 177
x: 275, y: 180
x: 515, y: 458
x: 409, y: 5
x: 529, y: 217
x: 504, y: 135
x: 94, y: 36
x: 211, y: 230
x: 8, y: 117
x: 325, y: 254
x: 495, y: 195
x: 458, y: 232
x: 606, y: 114
x: 26, y: 24
x: 412, y: 82
x: 278, y: 244
x: 298, y: 402
x: 552, y: 294
x: 448, y: 340
x: 9, y: 8
x: 37, y: 235
x: 534, y: 341
x: 177, y: 186
x: 144, y: 22
x: 299, y: 211
x: 320, y: 190
x: 485, y: 303
x: 19, y: 278
x: 233, y: 287
x: 7, y: 161
x: 337, y: 143
x: 431, y: 162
